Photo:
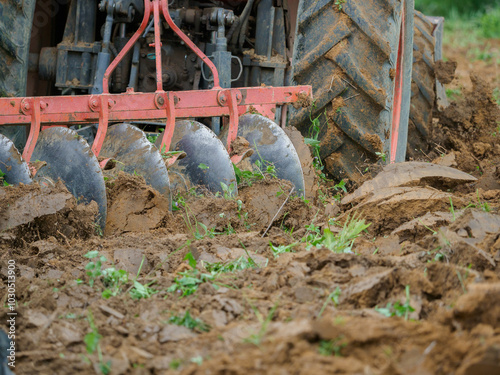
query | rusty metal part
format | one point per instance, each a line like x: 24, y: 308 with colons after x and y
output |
x: 68, y: 157
x: 271, y: 145
x: 11, y: 164
x: 207, y: 162
x: 135, y: 154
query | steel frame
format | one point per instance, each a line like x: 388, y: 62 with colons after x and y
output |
x: 161, y: 105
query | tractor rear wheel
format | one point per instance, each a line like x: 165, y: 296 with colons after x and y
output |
x: 357, y: 55
x: 426, y: 90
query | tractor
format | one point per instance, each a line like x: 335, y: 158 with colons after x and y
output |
x: 86, y: 83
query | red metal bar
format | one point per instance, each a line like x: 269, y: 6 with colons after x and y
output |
x: 103, y: 124
x: 127, y: 48
x: 85, y: 109
x: 170, y: 125
x: 189, y: 43
x: 34, y: 128
x: 398, y: 94
x: 159, y: 75
x: 232, y: 103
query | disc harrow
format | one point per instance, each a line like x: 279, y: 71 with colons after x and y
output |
x: 69, y: 157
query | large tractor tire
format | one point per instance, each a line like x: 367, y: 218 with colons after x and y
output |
x: 15, y: 32
x: 426, y: 90
x: 348, y: 51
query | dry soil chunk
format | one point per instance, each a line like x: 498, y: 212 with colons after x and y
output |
x: 21, y: 205
x: 410, y: 174
x: 175, y: 333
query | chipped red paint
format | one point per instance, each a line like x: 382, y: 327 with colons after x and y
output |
x: 398, y: 95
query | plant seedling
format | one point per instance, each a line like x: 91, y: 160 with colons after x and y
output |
x: 189, y: 281
x: 92, y: 344
x: 382, y: 155
x: 94, y: 267
x: 399, y: 309
x: 334, y: 297
x: 2, y: 179
x: 339, y: 4
x: 242, y: 263
x: 281, y: 249
x: 332, y: 347
x: 256, y: 338
x: 189, y: 322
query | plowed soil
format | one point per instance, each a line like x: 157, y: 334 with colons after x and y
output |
x: 430, y: 258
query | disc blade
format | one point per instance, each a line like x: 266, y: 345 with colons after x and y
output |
x: 137, y: 155
x: 15, y: 168
x: 69, y: 157
x: 207, y: 162
x: 272, y: 145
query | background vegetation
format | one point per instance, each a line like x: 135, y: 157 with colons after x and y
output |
x: 479, y: 17
x: 463, y: 7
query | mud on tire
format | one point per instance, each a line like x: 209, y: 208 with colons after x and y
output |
x: 348, y: 53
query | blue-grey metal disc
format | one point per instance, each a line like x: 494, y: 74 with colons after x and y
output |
x: 11, y: 163
x: 207, y: 162
x: 272, y: 145
x: 136, y: 155
x: 69, y: 158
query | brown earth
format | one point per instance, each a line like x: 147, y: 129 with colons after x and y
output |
x: 435, y: 235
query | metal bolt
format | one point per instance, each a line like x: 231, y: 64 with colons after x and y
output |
x: 160, y: 100
x: 43, y: 105
x: 110, y: 103
x: 238, y: 96
x: 223, y: 98
x: 93, y: 103
x: 26, y: 106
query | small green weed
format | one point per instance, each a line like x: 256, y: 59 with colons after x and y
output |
x: 228, y: 190
x: 339, y: 4
x: 454, y: 94
x: 243, y: 216
x: 113, y: 280
x: 175, y: 364
x: 94, y: 267
x: 484, y: 205
x: 189, y: 281
x: 198, y: 230
x: 2, y: 179
x: 452, y: 210
x: 281, y: 249
x: 496, y: 99
x: 332, y: 347
x: 382, y: 155
x: 242, y: 263
x: 257, y: 337
x: 332, y: 297
x: 399, y: 309
x: 92, y: 344
x: 140, y: 291
x: 189, y: 322
x: 338, y: 243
